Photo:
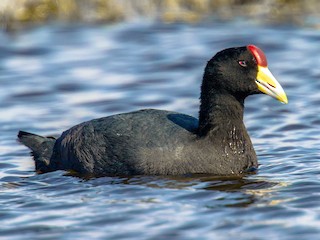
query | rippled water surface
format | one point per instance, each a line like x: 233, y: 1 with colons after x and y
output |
x: 55, y: 77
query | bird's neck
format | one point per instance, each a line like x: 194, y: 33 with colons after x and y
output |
x: 221, y: 123
x: 220, y: 114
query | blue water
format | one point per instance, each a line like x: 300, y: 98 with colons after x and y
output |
x: 54, y: 77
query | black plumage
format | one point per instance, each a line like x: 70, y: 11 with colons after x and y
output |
x: 156, y: 142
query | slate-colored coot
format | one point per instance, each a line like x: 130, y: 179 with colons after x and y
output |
x: 156, y: 142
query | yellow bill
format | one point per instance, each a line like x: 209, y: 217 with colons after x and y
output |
x: 269, y: 85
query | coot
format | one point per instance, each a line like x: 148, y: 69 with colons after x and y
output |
x: 157, y: 142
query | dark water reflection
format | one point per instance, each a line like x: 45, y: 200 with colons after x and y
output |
x: 55, y: 77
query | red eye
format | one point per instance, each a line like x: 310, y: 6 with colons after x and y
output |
x: 242, y: 63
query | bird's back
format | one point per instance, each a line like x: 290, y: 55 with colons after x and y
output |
x: 142, y: 142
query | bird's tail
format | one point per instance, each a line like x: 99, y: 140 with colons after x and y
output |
x: 41, y: 147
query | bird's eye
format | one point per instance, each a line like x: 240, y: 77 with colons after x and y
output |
x: 242, y: 63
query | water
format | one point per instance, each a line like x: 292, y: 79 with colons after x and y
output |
x: 54, y: 77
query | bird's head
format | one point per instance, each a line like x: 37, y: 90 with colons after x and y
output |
x: 241, y: 72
